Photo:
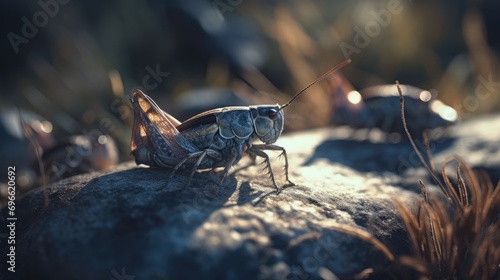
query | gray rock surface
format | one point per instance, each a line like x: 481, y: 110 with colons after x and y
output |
x: 121, y: 224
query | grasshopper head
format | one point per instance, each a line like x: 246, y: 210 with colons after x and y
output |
x: 268, y: 122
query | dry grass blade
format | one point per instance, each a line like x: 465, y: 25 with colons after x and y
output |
x: 367, y: 272
x: 417, y: 151
x: 428, y: 150
x: 415, y: 263
x: 302, y: 238
x: 365, y: 236
x: 462, y: 191
x: 412, y: 225
x: 424, y: 190
x: 453, y: 195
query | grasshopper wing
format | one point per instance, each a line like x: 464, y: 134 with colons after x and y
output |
x: 153, y: 127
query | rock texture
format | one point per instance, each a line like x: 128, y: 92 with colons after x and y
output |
x: 123, y: 225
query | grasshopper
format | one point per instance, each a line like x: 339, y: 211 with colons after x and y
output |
x: 212, y: 139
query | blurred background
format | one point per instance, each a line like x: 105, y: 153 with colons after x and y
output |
x: 70, y: 66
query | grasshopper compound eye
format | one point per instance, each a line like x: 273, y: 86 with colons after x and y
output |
x: 272, y: 114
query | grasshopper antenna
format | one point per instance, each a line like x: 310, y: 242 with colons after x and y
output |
x: 340, y: 65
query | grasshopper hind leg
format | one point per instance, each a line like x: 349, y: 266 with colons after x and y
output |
x: 198, y: 156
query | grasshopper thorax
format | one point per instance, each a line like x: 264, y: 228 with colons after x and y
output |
x: 267, y: 122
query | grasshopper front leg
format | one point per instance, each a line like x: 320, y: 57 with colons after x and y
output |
x: 258, y: 150
x: 283, y: 153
